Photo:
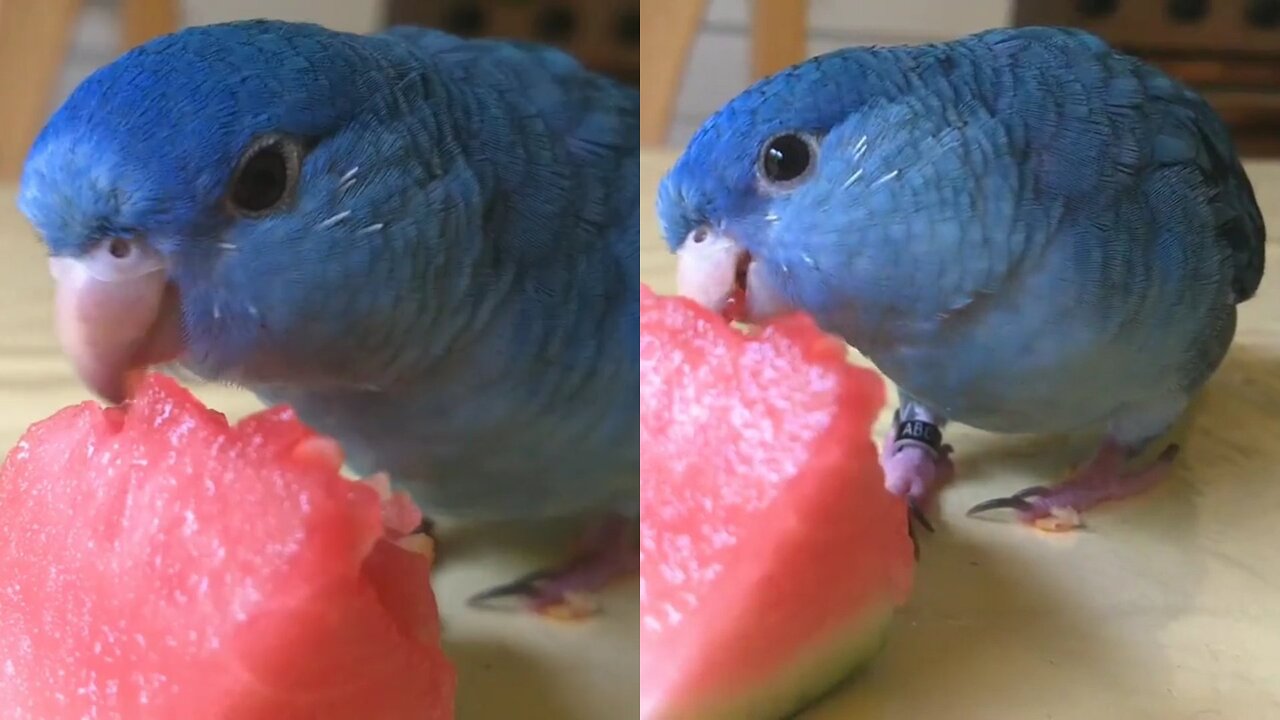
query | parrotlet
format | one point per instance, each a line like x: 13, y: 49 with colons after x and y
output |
x: 427, y: 245
x: 1024, y: 229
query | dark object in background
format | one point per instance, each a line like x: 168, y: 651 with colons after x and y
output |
x: 1228, y: 50
x: 603, y: 34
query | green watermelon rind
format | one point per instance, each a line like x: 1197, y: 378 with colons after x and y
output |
x: 807, y: 680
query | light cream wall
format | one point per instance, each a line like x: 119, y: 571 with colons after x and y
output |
x: 97, y: 37
x: 718, y: 68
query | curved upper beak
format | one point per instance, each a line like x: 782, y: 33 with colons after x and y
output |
x: 112, y: 330
x: 718, y: 273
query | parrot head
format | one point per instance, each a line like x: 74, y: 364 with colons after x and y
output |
x: 215, y: 197
x: 754, y: 208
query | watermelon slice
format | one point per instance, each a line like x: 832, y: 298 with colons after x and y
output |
x: 772, y: 557
x: 159, y: 562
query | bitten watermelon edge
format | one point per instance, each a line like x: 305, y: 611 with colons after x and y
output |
x: 772, y: 555
x: 159, y: 562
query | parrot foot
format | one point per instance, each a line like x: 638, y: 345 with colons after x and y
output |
x: 400, y: 515
x: 915, y: 471
x: 567, y: 592
x: 399, y: 512
x: 1101, y: 480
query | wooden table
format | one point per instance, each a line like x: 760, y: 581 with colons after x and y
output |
x: 1165, y: 607
x: 511, y: 666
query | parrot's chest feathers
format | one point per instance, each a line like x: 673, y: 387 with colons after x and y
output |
x: 1064, y: 343
x: 492, y: 452
x: 1015, y: 366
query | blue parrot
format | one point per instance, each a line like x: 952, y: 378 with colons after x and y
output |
x: 1025, y: 230
x: 428, y: 246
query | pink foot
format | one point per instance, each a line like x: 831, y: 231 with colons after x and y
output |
x: 607, y: 552
x: 916, y: 472
x: 1101, y: 480
x: 400, y: 515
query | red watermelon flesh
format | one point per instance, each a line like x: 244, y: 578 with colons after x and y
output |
x: 161, y: 563
x: 772, y: 556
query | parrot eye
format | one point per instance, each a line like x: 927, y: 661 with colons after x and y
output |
x: 786, y: 158
x: 267, y: 176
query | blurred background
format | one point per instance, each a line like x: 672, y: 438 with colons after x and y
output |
x: 48, y: 46
x: 700, y: 53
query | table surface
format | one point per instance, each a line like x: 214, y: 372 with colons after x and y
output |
x: 510, y: 665
x: 1164, y: 607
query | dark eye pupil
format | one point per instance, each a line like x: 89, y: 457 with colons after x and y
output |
x: 786, y: 158
x: 263, y: 181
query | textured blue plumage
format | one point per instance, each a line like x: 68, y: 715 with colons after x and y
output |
x: 1025, y: 230
x: 454, y: 293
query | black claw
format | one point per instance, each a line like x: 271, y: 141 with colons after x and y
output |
x: 1016, y: 501
x: 918, y: 515
x: 524, y: 586
x: 915, y: 542
x: 1012, y: 503
x: 426, y: 527
x: 1033, y: 491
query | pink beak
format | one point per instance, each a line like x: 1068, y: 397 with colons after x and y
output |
x: 719, y: 274
x: 112, y: 326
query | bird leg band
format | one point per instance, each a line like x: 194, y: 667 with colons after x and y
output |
x: 920, y: 433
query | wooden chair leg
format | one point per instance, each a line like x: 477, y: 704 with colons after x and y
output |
x: 667, y: 31
x: 143, y: 20
x: 34, y: 40
x: 779, y: 35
